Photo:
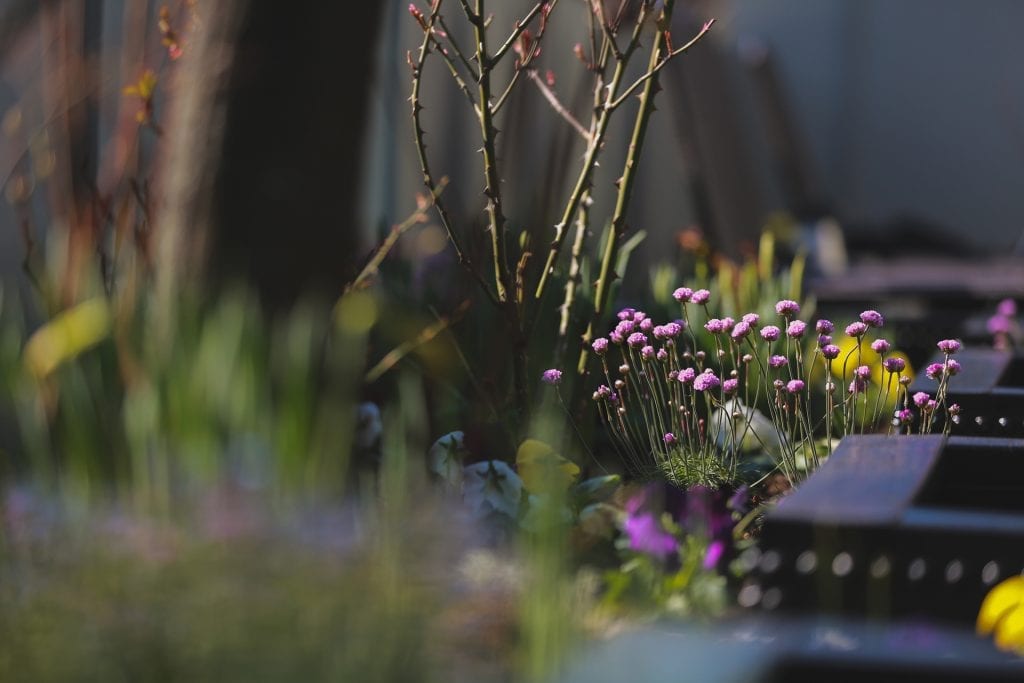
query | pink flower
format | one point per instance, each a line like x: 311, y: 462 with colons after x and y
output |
x: 600, y: 346
x: 796, y: 329
x: 751, y: 318
x: 949, y: 346
x: 740, y: 330
x: 824, y: 327
x: 706, y: 381
x: 687, y: 375
x: 770, y: 333
x: 730, y: 386
x: 787, y: 307
x: 881, y: 346
x: 921, y: 399
x: 795, y: 386
x: 856, y: 329
x: 872, y: 318
x: 552, y: 377
x: 894, y: 364
x: 830, y: 351
x: 701, y: 296
x: 682, y: 295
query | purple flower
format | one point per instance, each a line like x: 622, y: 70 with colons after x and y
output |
x: 713, y: 554
x: 682, y: 295
x: 830, y: 351
x: 728, y: 323
x: 933, y: 371
x: 862, y: 371
x: 647, y: 536
x: 824, y: 326
x: 639, y: 316
x: 647, y: 352
x: 662, y: 355
x: 687, y: 375
x: 872, y: 318
x: 616, y: 337
x: 637, y: 339
x: 701, y: 296
x: 706, y: 381
x: 999, y: 324
x: 778, y: 361
x: 954, y: 409
x: 796, y: 329
x: 625, y: 314
x: 552, y: 377
x: 600, y: 346
x: 949, y: 346
x: 787, y: 307
x: 646, y: 325
x: 824, y: 340
x: 770, y: 333
x: 715, y: 326
x: 905, y: 416
x: 881, y: 346
x: 672, y: 329
x: 856, y: 329
x: 857, y: 386
x: 795, y: 386
x: 894, y: 364
x: 730, y: 386
x: 740, y: 330
x: 602, y: 392
x: 952, y: 367
x: 669, y: 439
x: 1007, y: 308
x: 625, y: 327
x: 921, y: 399
x: 931, y: 405
x: 751, y: 318
x: 659, y: 332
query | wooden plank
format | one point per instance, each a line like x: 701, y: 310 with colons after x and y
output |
x: 869, y: 480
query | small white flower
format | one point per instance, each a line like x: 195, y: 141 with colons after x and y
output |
x: 446, y: 456
x: 492, y: 487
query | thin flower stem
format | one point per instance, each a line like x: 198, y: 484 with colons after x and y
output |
x: 474, y: 74
x: 602, y: 294
x: 557, y: 105
x: 421, y: 151
x: 583, y: 181
x: 651, y: 73
x: 521, y: 26
x: 453, y: 70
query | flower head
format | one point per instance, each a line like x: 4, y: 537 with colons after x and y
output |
x: 682, y: 295
x: 552, y: 377
x: 856, y: 329
x: 730, y: 386
x: 778, y: 361
x: 662, y: 355
x: 646, y: 535
x: 881, y: 346
x: 857, y: 386
x: 701, y: 296
x: 669, y: 439
x: 715, y: 326
x: 949, y: 346
x: 796, y: 329
x: 904, y: 416
x: 795, y: 386
x: 646, y: 325
x: 921, y: 399
x: 824, y: 340
x: 625, y: 327
x: 1007, y: 308
x: 824, y: 326
x: 999, y: 324
x: 787, y: 307
x: 706, y: 381
x: 894, y: 364
x: 830, y: 351
x: 952, y: 367
x: 600, y: 346
x: 872, y: 318
x: 625, y: 314
x: 751, y: 318
x: 934, y: 370
x: 616, y: 337
x: 862, y: 371
x: 647, y: 352
x: 637, y: 339
x: 770, y: 333
x: 687, y: 375
x: 740, y: 330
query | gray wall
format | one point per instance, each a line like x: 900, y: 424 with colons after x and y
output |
x: 911, y: 107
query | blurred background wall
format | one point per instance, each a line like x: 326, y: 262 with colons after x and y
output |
x: 906, y: 116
